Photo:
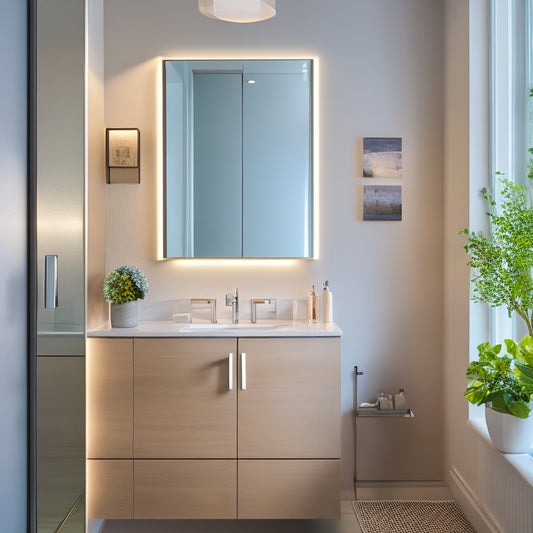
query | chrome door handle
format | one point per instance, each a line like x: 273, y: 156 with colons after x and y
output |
x: 50, y: 282
x: 230, y: 375
x: 243, y: 371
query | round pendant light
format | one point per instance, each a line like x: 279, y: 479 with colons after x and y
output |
x: 240, y: 11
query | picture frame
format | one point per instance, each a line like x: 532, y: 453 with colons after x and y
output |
x: 382, y: 202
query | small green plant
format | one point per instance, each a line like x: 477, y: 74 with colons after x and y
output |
x: 505, y: 380
x: 502, y: 261
x: 125, y: 284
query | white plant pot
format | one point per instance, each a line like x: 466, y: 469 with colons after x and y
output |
x: 125, y: 315
x: 508, y: 433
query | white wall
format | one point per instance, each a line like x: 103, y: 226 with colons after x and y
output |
x: 380, y: 75
x: 13, y: 267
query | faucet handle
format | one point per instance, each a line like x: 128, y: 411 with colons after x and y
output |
x: 254, y: 304
x: 212, y: 302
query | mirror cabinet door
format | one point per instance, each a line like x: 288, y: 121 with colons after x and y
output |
x: 238, y: 159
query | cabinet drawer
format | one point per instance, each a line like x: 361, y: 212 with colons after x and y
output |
x: 185, y: 489
x: 286, y: 489
x: 109, y: 488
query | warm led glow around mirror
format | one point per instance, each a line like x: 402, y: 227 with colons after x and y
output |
x: 240, y: 11
x: 238, y: 158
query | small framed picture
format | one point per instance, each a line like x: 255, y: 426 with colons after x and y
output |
x: 382, y: 157
x: 382, y: 202
x: 123, y: 155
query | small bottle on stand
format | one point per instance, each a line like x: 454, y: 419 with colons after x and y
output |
x: 400, y: 401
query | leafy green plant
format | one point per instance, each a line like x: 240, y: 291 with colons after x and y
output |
x: 505, y: 380
x: 125, y: 284
x: 502, y: 261
x: 501, y: 264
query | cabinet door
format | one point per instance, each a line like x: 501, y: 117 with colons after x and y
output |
x: 291, y: 405
x: 183, y: 404
x: 185, y: 489
x: 109, y: 398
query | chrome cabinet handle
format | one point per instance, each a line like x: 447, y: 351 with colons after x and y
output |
x: 243, y: 371
x: 230, y: 375
x: 50, y: 282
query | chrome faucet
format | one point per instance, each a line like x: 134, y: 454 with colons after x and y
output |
x: 254, y: 307
x: 233, y: 300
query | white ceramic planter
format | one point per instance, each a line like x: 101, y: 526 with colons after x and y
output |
x: 509, y: 433
x: 125, y: 315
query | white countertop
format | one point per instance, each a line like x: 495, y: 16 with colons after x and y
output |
x: 167, y: 328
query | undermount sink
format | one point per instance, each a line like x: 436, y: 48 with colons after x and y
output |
x: 225, y: 326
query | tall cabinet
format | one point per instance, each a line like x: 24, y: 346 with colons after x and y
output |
x: 251, y: 425
x: 57, y: 266
x: 66, y: 183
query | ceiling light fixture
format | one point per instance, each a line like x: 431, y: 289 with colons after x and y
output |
x: 240, y: 11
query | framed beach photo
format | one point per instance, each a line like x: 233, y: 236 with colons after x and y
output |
x: 382, y: 157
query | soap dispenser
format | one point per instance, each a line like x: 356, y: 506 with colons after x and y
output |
x: 327, y: 304
x: 312, y: 308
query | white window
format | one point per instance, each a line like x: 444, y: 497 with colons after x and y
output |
x: 511, y: 115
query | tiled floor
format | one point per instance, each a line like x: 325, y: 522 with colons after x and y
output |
x: 347, y: 524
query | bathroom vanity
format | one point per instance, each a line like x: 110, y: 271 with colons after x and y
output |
x: 188, y: 423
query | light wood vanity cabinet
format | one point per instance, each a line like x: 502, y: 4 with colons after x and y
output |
x: 183, y: 406
x: 198, y: 433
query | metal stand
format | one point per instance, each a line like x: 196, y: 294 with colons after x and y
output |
x: 369, y: 412
x: 355, y: 374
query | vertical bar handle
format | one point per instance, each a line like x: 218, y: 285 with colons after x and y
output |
x: 50, y: 282
x: 243, y: 371
x: 230, y: 375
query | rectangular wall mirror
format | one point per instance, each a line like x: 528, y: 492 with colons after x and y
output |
x: 238, y: 158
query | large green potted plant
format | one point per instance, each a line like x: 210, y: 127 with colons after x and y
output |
x: 502, y: 264
x: 123, y: 288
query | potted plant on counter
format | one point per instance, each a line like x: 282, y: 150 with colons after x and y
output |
x: 123, y: 288
x: 502, y: 264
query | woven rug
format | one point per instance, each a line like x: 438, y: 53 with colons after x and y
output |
x: 411, y: 516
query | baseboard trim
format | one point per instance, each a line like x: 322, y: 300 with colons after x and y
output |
x: 476, y: 512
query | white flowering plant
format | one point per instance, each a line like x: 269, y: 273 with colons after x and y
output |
x: 125, y: 284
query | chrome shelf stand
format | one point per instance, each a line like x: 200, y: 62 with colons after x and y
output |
x: 369, y: 412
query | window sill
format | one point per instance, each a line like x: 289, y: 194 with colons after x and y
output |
x: 522, y: 463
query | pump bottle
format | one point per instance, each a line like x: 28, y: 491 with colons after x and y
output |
x: 327, y: 304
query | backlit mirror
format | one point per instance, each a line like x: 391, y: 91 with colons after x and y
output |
x: 238, y: 159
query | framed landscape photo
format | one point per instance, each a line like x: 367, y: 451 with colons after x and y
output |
x: 382, y: 202
x: 382, y: 157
